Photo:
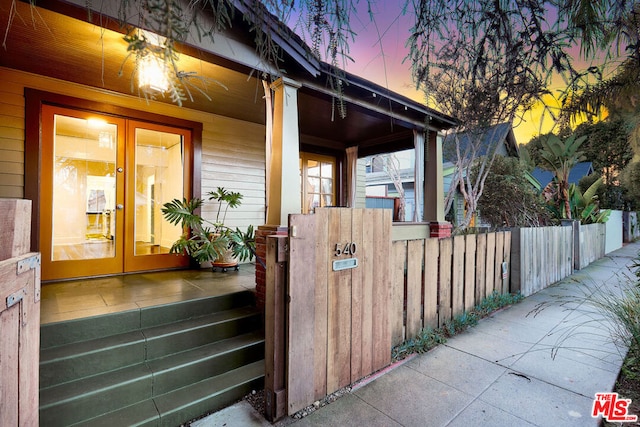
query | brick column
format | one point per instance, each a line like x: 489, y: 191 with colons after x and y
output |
x: 261, y: 250
x: 441, y: 230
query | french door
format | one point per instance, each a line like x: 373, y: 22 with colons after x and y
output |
x: 104, y: 181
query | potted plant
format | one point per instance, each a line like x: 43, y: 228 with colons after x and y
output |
x: 207, y: 241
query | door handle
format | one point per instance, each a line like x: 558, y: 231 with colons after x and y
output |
x: 119, y: 206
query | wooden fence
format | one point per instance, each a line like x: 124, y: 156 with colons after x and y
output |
x: 336, y: 320
x: 592, y: 243
x: 345, y: 287
x: 434, y: 280
x: 19, y: 317
x: 540, y: 256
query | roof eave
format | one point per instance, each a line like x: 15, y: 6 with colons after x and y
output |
x: 278, y: 30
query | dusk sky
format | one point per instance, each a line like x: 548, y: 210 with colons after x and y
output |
x: 385, y: 64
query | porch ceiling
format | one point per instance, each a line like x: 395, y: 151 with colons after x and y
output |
x: 58, y: 42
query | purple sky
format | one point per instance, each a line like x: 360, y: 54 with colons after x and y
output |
x: 384, y: 63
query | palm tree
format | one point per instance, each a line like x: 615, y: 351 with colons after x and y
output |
x: 560, y: 157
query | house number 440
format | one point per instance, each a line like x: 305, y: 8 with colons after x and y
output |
x: 345, y: 249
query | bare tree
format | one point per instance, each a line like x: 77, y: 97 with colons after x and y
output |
x: 473, y: 154
x: 486, y: 63
x: 390, y: 164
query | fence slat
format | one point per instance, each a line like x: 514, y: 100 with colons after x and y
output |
x: 444, y: 298
x: 490, y: 264
x: 367, y: 255
x: 414, y: 287
x: 356, y: 300
x: 481, y: 265
x: 457, y: 288
x: 469, y: 271
x: 399, y: 253
x: 321, y: 304
x: 382, y: 335
x: 431, y: 257
x: 301, y: 337
x: 339, y: 301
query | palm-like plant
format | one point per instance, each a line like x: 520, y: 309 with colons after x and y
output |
x: 205, y: 240
x: 560, y: 157
x: 584, y: 206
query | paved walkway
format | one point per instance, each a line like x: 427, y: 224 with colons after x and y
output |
x: 518, y: 367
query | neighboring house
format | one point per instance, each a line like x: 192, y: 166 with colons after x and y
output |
x: 380, y: 182
x: 381, y: 190
x: 98, y: 161
x: 579, y: 171
x: 499, y: 137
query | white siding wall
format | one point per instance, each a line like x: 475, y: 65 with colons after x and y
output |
x: 233, y: 157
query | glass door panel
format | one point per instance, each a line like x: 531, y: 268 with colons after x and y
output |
x: 84, y: 189
x: 156, y: 167
x: 80, y: 228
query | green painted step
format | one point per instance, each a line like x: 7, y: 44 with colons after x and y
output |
x: 209, y: 395
x: 180, y: 336
x: 189, y: 367
x: 76, y: 360
x: 128, y: 366
x: 73, y: 361
x: 142, y: 414
x: 184, y: 404
x: 90, y: 328
x: 86, y: 398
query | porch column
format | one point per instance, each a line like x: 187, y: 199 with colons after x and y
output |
x: 352, y: 173
x: 418, y: 175
x: 283, y: 170
x: 434, y: 188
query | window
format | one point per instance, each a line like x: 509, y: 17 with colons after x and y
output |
x: 317, y: 181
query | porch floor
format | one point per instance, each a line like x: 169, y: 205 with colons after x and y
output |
x: 75, y: 299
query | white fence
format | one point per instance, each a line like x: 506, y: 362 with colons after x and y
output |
x: 614, y: 231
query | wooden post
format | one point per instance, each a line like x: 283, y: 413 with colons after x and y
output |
x: 15, y: 225
x: 19, y: 317
x: 275, y: 328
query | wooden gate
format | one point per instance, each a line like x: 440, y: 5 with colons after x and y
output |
x: 338, y: 295
x: 19, y: 317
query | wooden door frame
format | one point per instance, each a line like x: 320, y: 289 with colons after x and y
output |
x: 76, y: 267
x: 34, y: 99
x: 133, y: 263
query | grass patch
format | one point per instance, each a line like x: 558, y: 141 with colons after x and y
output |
x: 429, y: 338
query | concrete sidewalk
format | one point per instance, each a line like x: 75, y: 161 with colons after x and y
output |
x: 518, y: 367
